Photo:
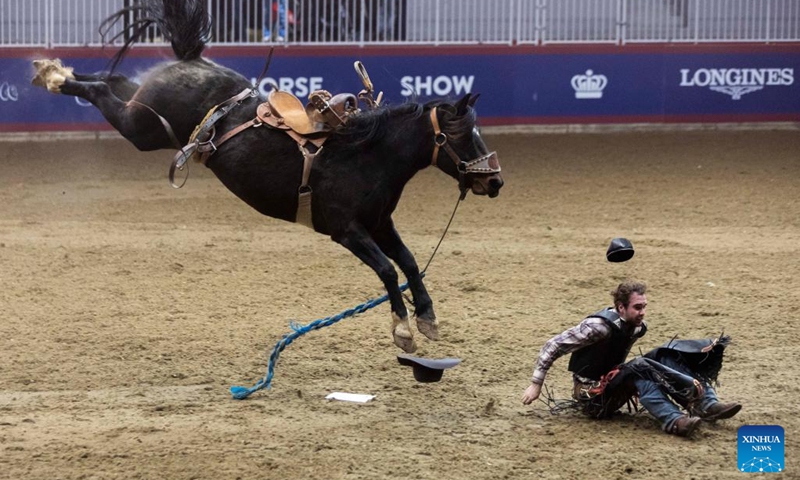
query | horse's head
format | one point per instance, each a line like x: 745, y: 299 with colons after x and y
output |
x: 459, y: 150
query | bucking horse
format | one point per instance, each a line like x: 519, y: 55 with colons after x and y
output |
x: 330, y: 165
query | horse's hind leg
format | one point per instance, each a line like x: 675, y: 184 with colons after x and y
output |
x: 390, y: 243
x: 358, y: 241
x: 121, y: 86
x: 52, y: 74
x: 133, y: 121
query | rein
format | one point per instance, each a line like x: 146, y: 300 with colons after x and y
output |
x: 485, y: 164
x: 441, y: 239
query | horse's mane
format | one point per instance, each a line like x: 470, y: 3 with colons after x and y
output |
x: 185, y: 23
x: 369, y: 126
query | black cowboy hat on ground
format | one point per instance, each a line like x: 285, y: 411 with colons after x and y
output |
x: 427, y: 369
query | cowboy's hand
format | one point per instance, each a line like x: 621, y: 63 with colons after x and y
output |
x: 531, y: 393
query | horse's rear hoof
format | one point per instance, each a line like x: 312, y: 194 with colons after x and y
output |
x: 429, y: 328
x: 51, y: 74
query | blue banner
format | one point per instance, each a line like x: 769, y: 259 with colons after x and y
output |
x: 517, y: 85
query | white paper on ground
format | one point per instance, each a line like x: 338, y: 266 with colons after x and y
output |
x: 350, y: 397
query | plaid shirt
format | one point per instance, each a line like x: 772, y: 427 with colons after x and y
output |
x: 590, y: 331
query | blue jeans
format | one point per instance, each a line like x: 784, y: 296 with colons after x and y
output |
x: 280, y: 22
x: 657, y: 401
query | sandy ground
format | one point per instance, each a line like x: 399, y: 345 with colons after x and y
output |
x: 129, y: 309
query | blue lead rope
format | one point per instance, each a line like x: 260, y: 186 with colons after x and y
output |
x: 240, y: 393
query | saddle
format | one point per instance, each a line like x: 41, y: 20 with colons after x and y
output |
x: 322, y: 114
x: 703, y: 356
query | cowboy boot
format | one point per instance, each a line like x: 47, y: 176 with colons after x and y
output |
x: 684, y: 426
x: 720, y: 411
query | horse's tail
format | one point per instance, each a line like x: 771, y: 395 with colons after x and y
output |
x: 185, y: 23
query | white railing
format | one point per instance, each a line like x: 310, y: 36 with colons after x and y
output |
x: 37, y: 23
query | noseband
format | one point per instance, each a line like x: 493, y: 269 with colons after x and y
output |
x: 486, y: 164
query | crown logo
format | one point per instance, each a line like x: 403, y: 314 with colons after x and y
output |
x: 589, y: 85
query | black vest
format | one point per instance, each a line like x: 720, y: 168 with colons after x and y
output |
x: 600, y: 358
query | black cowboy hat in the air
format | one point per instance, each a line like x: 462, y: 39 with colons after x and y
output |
x: 620, y: 250
x: 427, y: 369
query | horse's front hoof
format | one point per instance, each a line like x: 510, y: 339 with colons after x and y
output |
x: 51, y: 74
x: 402, y: 335
x: 407, y: 344
x: 429, y: 328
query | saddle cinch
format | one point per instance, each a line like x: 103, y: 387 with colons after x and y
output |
x: 308, y: 125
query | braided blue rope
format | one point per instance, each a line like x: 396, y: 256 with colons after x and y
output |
x: 240, y: 393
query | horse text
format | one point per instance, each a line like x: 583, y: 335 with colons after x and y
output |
x: 301, y: 87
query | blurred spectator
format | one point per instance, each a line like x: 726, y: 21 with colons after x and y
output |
x: 275, y: 20
x: 341, y: 20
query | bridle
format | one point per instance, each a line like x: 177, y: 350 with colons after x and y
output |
x: 485, y: 164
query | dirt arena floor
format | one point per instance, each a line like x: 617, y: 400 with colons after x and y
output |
x: 129, y: 309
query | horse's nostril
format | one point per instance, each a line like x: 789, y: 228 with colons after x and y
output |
x: 496, y: 183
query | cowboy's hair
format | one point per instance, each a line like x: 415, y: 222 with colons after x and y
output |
x: 622, y: 293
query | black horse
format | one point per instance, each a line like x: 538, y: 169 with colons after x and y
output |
x: 357, y: 178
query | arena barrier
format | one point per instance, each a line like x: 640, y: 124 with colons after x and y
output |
x: 556, y: 85
x: 74, y: 23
